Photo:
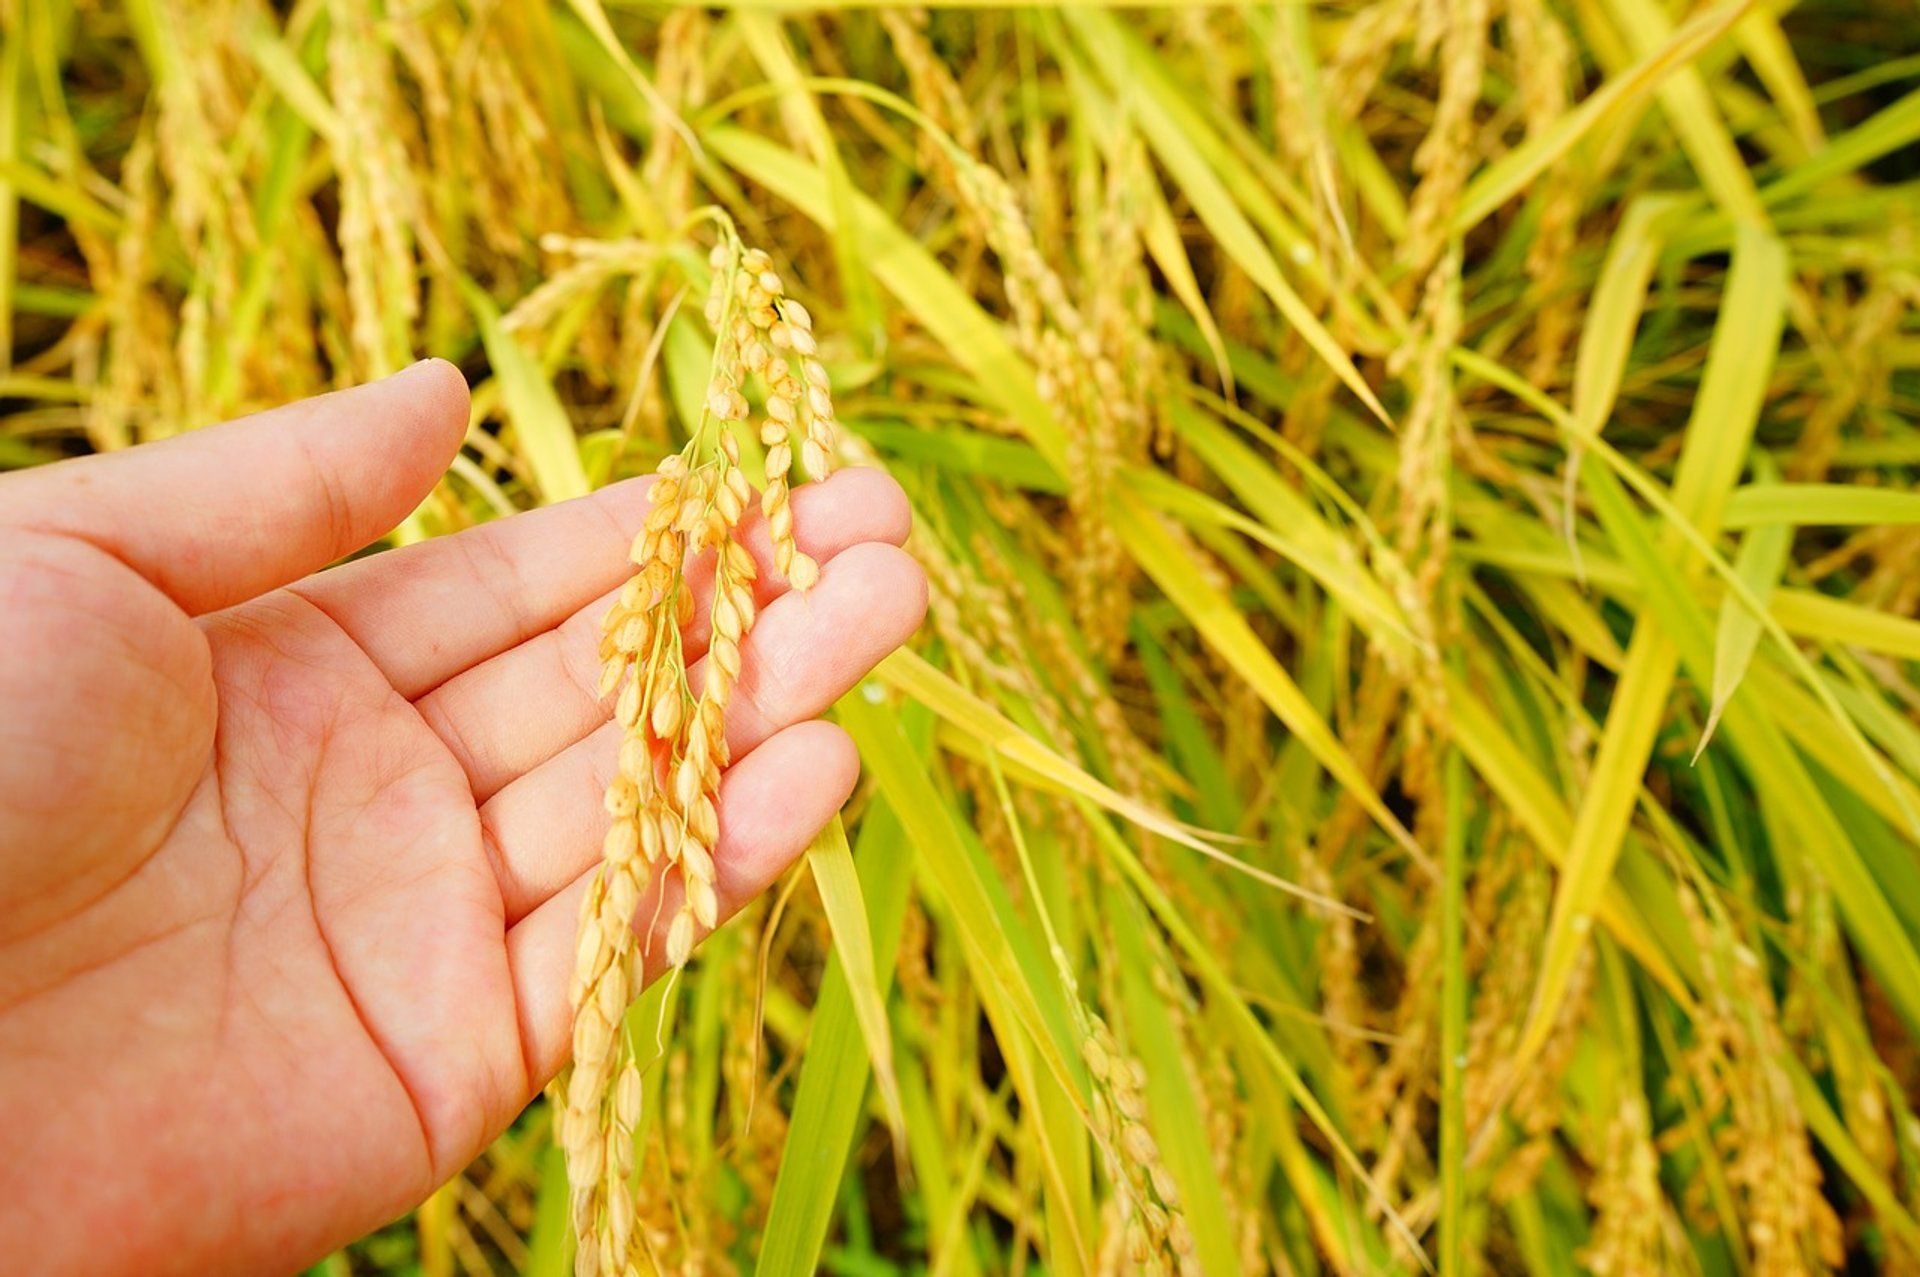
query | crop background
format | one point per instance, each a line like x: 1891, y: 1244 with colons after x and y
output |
x: 1380, y: 436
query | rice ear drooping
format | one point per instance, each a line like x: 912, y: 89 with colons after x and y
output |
x: 663, y: 799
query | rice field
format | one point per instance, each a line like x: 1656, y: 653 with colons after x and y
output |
x: 1414, y: 760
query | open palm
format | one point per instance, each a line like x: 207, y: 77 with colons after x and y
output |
x: 289, y: 868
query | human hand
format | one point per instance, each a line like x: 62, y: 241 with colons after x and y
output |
x: 290, y: 865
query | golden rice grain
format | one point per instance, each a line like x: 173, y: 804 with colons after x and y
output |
x: 663, y: 799
x: 1157, y: 1238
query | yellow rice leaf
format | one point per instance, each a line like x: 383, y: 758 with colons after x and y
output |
x: 1514, y: 171
x: 1800, y: 613
x: 34, y: 185
x: 1762, y: 557
x: 910, y: 674
x: 51, y: 389
x: 949, y: 1205
x: 1720, y: 429
x: 280, y: 67
x: 1606, y: 338
x: 1162, y: 239
x: 1818, y: 616
x: 1343, y: 576
x: 1264, y: 189
x: 1570, y: 610
x: 1758, y: 726
x: 1255, y: 1037
x: 1022, y: 1002
x: 1292, y: 526
x: 1836, y: 725
x: 1226, y: 630
x: 1178, y: 1120
x: 1746, y: 337
x: 831, y: 1094
x: 831, y: 861
x: 1771, y: 56
x: 1805, y: 710
x: 594, y: 17
x: 1503, y: 763
x: 1310, y: 541
x: 1833, y: 505
x: 1691, y: 113
x: 769, y: 46
x: 1889, y: 130
x: 1830, y: 736
x: 1125, y: 64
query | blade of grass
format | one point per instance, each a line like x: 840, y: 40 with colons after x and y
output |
x: 859, y: 301
x: 1780, y: 778
x: 1013, y: 982
x: 1162, y: 238
x: 1205, y: 965
x: 1769, y: 52
x: 1606, y: 339
x: 281, y: 67
x: 1819, y: 616
x: 1833, y: 735
x: 1891, y: 129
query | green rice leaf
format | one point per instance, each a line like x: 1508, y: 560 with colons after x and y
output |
x: 910, y: 674
x: 1889, y: 130
x: 541, y: 424
x: 1691, y: 113
x: 1015, y: 983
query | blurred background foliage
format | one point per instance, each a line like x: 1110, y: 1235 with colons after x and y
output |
x: 1413, y: 762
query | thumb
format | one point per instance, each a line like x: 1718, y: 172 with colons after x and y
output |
x: 217, y: 516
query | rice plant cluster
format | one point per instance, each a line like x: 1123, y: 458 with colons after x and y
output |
x: 1414, y: 762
